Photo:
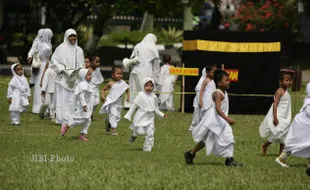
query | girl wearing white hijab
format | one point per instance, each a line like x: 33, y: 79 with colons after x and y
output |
x: 297, y: 141
x: 67, y: 56
x: 148, y: 65
x: 143, y: 123
x: 84, y: 101
x: 45, y: 52
x: 18, y: 93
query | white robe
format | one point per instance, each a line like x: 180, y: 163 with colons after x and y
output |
x: 215, y: 132
x: 148, y: 67
x: 34, y: 48
x: 166, y: 83
x: 69, y: 57
x: 18, y: 91
x: 48, y: 86
x: 113, y: 103
x: 297, y: 140
x: 45, y: 51
x: 96, y: 80
x: 284, y: 114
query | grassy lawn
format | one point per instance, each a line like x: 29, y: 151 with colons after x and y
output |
x: 108, y: 162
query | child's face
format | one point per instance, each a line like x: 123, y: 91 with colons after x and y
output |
x: 118, y: 74
x: 87, y: 63
x: 97, y: 61
x: 286, y: 82
x: 19, y: 70
x: 211, y: 73
x: 224, y: 83
x: 88, y: 76
x: 148, y: 87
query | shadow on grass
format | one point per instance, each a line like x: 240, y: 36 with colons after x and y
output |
x: 209, y: 163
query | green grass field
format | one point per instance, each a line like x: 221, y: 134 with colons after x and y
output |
x: 108, y: 162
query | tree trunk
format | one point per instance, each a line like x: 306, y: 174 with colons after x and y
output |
x: 188, y: 18
x: 147, y: 22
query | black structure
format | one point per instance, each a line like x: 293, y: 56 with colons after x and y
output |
x: 258, y: 72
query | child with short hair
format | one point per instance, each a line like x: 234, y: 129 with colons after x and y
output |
x: 113, y: 103
x: 96, y: 79
x: 18, y: 93
x: 47, y: 94
x: 278, y: 119
x: 204, y: 89
x: 84, y: 100
x: 297, y: 141
x: 166, y: 83
x: 143, y: 122
x: 214, y: 131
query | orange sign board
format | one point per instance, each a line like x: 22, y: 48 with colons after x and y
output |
x: 184, y: 71
x: 233, y: 74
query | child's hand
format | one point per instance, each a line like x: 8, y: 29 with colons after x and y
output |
x: 43, y: 93
x: 231, y: 121
x: 85, y: 108
x: 10, y: 101
x: 165, y: 116
x: 127, y: 99
x: 275, y: 121
x: 200, y: 104
x: 102, y: 99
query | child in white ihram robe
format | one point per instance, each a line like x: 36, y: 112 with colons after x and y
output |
x: 143, y: 123
x: 282, y: 101
x: 113, y: 104
x: 48, y: 88
x: 96, y: 80
x: 18, y: 93
x: 297, y: 141
x: 166, y: 82
x: 83, y: 106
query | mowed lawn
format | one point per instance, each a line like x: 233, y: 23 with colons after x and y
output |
x: 108, y: 162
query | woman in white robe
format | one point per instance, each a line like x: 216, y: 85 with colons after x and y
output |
x: 297, y: 141
x: 45, y: 52
x: 148, y: 65
x: 67, y: 57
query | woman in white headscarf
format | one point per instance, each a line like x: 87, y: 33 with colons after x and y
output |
x: 44, y: 48
x: 148, y: 65
x: 67, y: 58
x: 33, y: 49
x: 297, y: 141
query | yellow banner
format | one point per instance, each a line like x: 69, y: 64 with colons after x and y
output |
x: 184, y: 71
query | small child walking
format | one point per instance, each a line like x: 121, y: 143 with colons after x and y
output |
x: 96, y: 80
x: 202, y: 100
x: 18, y: 93
x: 166, y: 83
x: 47, y: 94
x: 297, y: 141
x: 143, y: 123
x: 214, y: 131
x: 84, y: 100
x: 278, y: 119
x: 113, y: 103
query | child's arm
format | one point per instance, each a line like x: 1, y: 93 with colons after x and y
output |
x: 10, y: 94
x: 278, y: 95
x: 103, y: 91
x: 127, y: 95
x: 161, y: 114
x: 218, y: 98
x: 82, y: 100
x: 202, y: 90
x: 44, y: 82
x: 42, y: 78
x: 130, y: 112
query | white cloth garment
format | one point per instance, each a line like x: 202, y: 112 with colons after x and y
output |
x: 45, y: 51
x: 297, y: 140
x: 143, y: 122
x: 113, y: 103
x: 215, y: 132
x: 48, y: 86
x: 48, y: 82
x: 66, y: 56
x: 166, y: 82
x: 18, y: 91
x: 34, y: 47
x: 47, y: 103
x: 85, y: 122
x: 149, y: 65
x: 284, y: 114
x: 96, y: 80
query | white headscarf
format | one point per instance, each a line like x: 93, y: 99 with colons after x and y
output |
x: 19, y: 82
x: 83, y: 84
x: 202, y: 78
x: 147, y: 101
x: 307, y: 99
x: 68, y: 55
x: 47, y: 35
x: 35, y: 43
